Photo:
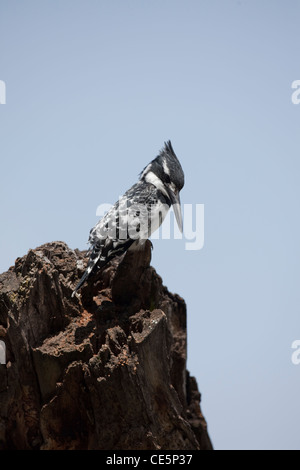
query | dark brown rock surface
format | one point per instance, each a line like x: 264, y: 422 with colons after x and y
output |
x: 104, y: 370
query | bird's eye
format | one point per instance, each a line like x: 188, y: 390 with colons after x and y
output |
x: 167, y: 179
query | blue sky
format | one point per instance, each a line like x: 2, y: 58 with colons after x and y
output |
x: 93, y: 89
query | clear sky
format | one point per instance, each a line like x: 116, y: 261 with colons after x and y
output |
x: 93, y: 89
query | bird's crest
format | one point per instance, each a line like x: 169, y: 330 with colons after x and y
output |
x: 168, y: 149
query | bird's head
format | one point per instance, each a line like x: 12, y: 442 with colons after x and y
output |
x: 166, y: 173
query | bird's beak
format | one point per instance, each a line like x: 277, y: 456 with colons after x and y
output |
x: 175, y: 200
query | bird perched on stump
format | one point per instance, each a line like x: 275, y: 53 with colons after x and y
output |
x: 137, y: 214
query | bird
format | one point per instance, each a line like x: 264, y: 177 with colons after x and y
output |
x: 138, y: 213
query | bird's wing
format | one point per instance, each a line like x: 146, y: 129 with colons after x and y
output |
x: 120, y: 222
x: 125, y: 222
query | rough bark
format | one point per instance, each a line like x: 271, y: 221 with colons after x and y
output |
x: 104, y: 370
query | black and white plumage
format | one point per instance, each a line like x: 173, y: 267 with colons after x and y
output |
x: 137, y: 214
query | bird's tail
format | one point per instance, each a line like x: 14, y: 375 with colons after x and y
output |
x: 94, y: 258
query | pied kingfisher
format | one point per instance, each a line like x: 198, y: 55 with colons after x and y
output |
x: 137, y: 214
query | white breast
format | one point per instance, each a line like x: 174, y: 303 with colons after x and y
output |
x: 158, y: 214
